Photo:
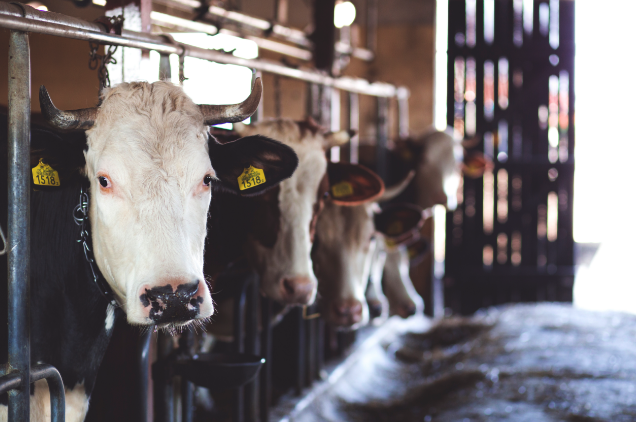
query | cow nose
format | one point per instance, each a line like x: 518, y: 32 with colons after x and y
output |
x: 173, y: 302
x: 375, y: 308
x: 407, y: 310
x: 297, y: 290
x: 346, y: 312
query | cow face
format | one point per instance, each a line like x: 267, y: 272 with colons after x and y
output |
x: 347, y: 238
x: 150, y: 164
x: 279, y: 248
x: 397, y: 285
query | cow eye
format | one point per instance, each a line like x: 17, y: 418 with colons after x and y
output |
x: 207, y: 180
x: 103, y: 181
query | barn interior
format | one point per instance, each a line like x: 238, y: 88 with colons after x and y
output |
x: 517, y: 302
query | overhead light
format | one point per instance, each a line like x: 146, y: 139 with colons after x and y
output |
x: 344, y: 14
x: 99, y: 2
x: 38, y: 6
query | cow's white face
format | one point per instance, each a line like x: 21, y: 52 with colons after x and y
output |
x: 149, y: 171
x: 342, y: 260
x: 439, y: 171
x: 398, y: 287
x: 285, y: 265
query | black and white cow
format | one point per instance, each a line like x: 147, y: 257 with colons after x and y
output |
x: 147, y: 166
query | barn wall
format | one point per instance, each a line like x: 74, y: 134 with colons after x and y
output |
x: 58, y: 63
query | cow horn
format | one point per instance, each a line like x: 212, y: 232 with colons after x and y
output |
x: 72, y: 119
x: 233, y: 113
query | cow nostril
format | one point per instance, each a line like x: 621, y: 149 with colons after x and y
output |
x: 187, y: 290
x: 289, y: 286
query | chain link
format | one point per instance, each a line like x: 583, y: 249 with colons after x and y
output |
x: 100, y: 62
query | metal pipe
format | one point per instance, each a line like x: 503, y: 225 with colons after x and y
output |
x: 69, y: 29
x: 187, y: 401
x: 354, y: 124
x: 403, y: 114
x: 19, y: 240
x: 300, y: 342
x: 56, y: 389
x: 144, y: 375
x: 382, y: 137
x: 266, y: 350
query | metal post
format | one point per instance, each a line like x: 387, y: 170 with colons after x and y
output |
x: 251, y: 346
x: 334, y: 120
x: 266, y: 351
x: 354, y: 124
x: 382, y: 136
x: 403, y: 113
x: 19, y: 222
x: 300, y: 342
x: 144, y: 375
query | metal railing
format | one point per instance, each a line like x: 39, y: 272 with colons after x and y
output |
x: 21, y: 20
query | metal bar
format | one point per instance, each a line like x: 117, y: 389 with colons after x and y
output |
x: 251, y: 346
x: 144, y: 375
x: 187, y: 401
x: 239, y: 312
x: 382, y: 137
x: 354, y: 124
x: 38, y: 22
x: 300, y: 343
x: 403, y: 115
x: 334, y: 120
x: 266, y: 350
x: 19, y: 241
x: 56, y: 389
x: 372, y: 25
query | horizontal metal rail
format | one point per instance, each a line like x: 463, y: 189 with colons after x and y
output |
x: 291, y: 35
x: 50, y: 23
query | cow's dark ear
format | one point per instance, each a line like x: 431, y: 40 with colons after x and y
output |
x: 63, y: 152
x: 251, y: 165
x: 400, y: 223
x: 353, y: 184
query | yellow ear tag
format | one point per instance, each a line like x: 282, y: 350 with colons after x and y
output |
x: 342, y: 189
x: 44, y: 175
x: 396, y: 227
x: 389, y: 243
x: 251, y: 177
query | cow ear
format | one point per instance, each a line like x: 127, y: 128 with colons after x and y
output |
x: 259, y: 162
x: 353, y: 184
x: 337, y: 139
x: 63, y: 152
x: 400, y: 223
x: 475, y: 164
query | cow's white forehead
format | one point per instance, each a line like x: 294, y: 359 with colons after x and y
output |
x: 347, y: 227
x: 148, y: 115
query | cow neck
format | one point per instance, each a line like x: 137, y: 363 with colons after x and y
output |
x: 80, y: 216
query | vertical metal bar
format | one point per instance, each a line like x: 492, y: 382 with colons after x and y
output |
x: 382, y: 137
x: 239, y: 319
x: 163, y: 383
x: 187, y: 401
x: 251, y: 345
x: 300, y: 341
x: 144, y: 375
x: 320, y: 347
x: 266, y: 351
x: 334, y: 120
x: 19, y: 221
x: 372, y: 24
x: 403, y: 113
x: 313, y: 101
x: 354, y: 124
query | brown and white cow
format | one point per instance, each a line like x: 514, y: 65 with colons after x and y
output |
x: 347, y: 237
x: 146, y: 167
x: 274, y: 231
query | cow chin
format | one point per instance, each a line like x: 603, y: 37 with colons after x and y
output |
x: 171, y: 304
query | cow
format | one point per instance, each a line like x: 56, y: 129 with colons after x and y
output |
x: 348, y: 234
x: 123, y: 229
x: 274, y: 232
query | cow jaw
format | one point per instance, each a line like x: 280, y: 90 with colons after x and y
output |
x: 149, y: 221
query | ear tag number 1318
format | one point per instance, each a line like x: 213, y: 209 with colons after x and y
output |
x: 44, y: 175
x: 251, y: 177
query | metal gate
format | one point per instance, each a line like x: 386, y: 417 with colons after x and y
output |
x: 511, y: 84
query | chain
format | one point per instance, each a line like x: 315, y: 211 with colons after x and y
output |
x: 114, y: 24
x: 80, y: 216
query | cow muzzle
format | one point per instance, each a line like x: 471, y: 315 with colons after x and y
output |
x: 174, y: 302
x: 297, y: 290
x: 345, y: 313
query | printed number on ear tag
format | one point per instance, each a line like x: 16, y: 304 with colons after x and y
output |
x: 251, y: 177
x: 342, y: 189
x: 44, y: 175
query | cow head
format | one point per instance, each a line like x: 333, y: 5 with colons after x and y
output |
x: 345, y: 243
x: 279, y: 246
x: 150, y: 164
x: 440, y: 160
